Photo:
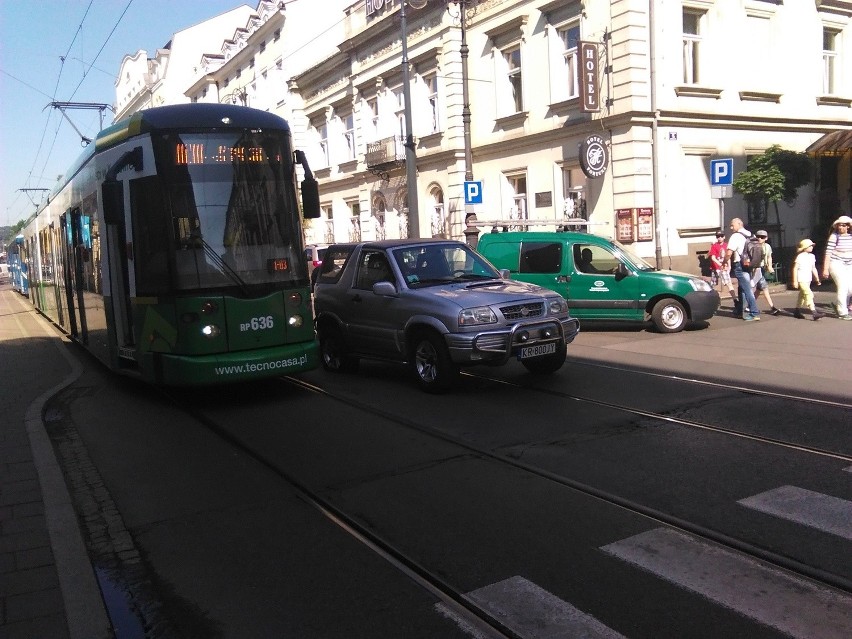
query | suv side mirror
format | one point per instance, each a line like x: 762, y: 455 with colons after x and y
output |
x: 621, y: 272
x: 385, y: 288
x: 505, y: 273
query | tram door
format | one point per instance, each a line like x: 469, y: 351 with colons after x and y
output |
x: 116, y: 233
x: 73, y: 273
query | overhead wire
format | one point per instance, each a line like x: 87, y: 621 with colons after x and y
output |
x: 79, y: 84
x: 91, y: 65
x: 53, y: 98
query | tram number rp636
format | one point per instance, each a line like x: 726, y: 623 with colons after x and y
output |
x: 257, y: 324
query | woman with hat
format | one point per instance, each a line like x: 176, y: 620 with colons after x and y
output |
x: 804, y: 270
x: 838, y: 263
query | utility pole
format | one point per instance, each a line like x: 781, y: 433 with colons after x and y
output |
x: 410, y: 157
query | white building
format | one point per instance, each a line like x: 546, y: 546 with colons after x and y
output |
x: 144, y: 82
x: 674, y: 84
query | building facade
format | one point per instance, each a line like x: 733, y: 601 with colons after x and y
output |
x: 595, y: 114
x: 144, y: 82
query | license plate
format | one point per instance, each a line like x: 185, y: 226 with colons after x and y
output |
x: 536, y: 351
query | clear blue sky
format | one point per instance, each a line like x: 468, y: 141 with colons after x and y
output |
x: 36, y: 143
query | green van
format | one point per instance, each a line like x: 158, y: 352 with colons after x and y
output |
x: 601, y: 279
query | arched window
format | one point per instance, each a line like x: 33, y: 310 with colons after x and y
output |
x: 401, y: 206
x: 379, y: 213
x: 440, y: 226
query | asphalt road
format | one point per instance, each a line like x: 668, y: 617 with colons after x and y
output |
x: 315, y: 508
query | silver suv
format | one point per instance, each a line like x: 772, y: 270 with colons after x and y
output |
x: 437, y: 305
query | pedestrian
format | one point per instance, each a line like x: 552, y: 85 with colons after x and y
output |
x: 758, y: 276
x: 838, y: 264
x: 746, y: 304
x: 804, y: 272
x: 720, y: 275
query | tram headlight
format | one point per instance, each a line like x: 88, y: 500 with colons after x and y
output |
x: 211, y: 331
x: 209, y: 307
x: 295, y: 321
x: 295, y: 298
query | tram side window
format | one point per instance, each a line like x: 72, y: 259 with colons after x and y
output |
x: 151, y: 230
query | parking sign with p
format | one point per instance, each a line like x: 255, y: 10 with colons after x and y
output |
x: 722, y: 172
x: 473, y: 192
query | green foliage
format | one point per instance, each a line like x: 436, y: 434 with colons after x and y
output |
x: 775, y: 175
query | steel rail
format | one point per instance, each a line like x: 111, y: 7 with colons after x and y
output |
x: 782, y: 562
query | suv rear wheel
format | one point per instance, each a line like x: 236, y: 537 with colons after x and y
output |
x: 431, y: 362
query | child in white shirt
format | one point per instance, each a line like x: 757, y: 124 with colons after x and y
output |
x: 805, y: 271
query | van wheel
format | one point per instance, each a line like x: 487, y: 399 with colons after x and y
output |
x: 669, y: 316
x: 333, y: 352
x: 546, y: 364
x: 431, y: 362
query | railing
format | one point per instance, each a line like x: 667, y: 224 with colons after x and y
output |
x: 384, y: 151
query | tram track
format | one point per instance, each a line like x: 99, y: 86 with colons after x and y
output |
x: 439, y: 586
x: 680, y: 421
x: 784, y: 562
x: 455, y: 601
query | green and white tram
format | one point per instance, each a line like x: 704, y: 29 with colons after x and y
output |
x: 173, y: 249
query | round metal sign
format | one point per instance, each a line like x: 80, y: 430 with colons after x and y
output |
x: 594, y: 156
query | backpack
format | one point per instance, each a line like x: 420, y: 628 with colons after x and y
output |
x: 752, y: 257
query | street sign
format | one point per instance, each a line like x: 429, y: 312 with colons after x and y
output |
x: 722, y: 172
x: 473, y: 192
x: 723, y: 191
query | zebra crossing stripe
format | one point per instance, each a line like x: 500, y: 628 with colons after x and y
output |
x: 797, y: 607
x: 823, y: 512
x: 532, y: 612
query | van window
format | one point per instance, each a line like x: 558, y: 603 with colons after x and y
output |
x: 589, y: 258
x: 541, y: 257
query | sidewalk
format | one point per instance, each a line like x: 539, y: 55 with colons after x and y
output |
x: 47, y: 585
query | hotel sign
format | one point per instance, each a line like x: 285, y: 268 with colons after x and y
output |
x: 587, y: 71
x: 374, y: 6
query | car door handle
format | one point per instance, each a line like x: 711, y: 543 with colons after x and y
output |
x: 562, y: 279
x: 357, y: 298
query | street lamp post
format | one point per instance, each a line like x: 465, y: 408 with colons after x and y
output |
x: 464, y: 50
x: 469, y: 214
x: 410, y: 157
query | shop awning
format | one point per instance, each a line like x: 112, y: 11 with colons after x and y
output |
x: 834, y: 143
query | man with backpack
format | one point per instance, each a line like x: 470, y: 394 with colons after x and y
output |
x: 758, y: 276
x: 736, y: 254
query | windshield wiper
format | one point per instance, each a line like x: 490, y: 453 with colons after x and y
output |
x: 223, y: 266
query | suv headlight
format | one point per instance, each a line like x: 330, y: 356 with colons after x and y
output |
x: 479, y: 315
x: 559, y: 306
x: 699, y: 285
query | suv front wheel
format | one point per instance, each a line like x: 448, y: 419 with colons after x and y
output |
x: 333, y: 352
x: 431, y: 362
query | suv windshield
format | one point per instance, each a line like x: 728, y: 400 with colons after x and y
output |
x: 432, y: 264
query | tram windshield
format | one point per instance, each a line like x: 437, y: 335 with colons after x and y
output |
x: 228, y: 213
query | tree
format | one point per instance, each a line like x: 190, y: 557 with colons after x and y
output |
x: 775, y: 175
